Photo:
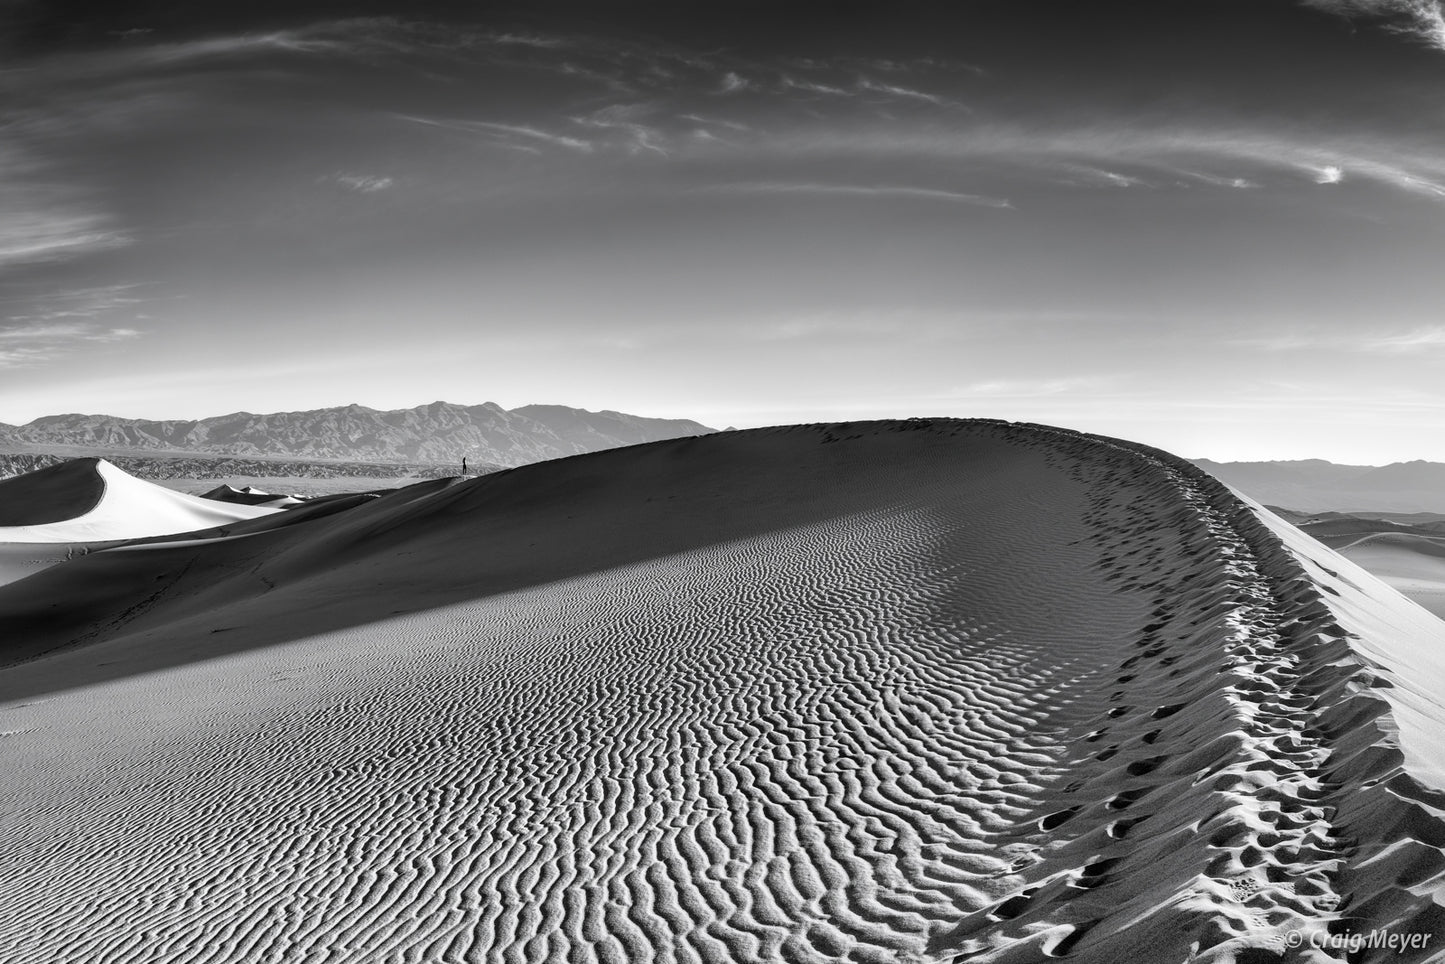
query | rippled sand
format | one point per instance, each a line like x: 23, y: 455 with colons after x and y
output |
x: 884, y: 692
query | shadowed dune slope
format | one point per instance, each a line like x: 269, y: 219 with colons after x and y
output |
x: 877, y: 692
x: 248, y: 495
x: 90, y: 500
x: 53, y: 494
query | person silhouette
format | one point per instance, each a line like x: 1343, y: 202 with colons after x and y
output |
x: 464, y: 465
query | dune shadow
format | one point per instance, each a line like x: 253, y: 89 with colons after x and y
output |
x: 52, y: 494
x: 158, y: 604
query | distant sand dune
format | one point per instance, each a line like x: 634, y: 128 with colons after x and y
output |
x: 90, y: 500
x: 1413, y: 564
x: 249, y: 495
x: 879, y: 692
x: 55, y: 494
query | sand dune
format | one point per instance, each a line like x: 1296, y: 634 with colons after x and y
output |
x: 249, y: 495
x: 90, y: 500
x: 1406, y: 552
x: 881, y: 692
x: 1413, y: 564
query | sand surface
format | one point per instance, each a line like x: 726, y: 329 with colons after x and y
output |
x: 1413, y: 564
x: 90, y: 500
x: 304, y: 486
x: 1405, y: 551
x: 883, y: 692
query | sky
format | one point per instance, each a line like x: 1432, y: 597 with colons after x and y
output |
x: 1214, y: 227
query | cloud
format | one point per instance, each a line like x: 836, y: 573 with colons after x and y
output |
x: 884, y: 191
x: 1422, y: 19
x: 31, y: 235
x: 35, y: 344
x: 1029, y: 388
x: 363, y: 183
x: 531, y: 40
x: 733, y: 83
x: 1427, y: 180
x: 43, y: 218
x: 624, y: 118
x: 1426, y: 338
x: 715, y: 121
x: 894, y: 90
x: 1240, y: 183
x: 73, y: 313
x: 534, y: 133
x: 65, y: 331
x: 506, y: 133
x: 814, y: 87
x: 129, y: 60
x: 1153, y: 153
x: 1085, y: 173
x: 1411, y: 341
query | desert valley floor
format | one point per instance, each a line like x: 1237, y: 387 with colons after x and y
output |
x: 874, y: 692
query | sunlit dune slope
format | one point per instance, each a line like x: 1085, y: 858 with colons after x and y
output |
x: 1413, y: 564
x: 249, y: 495
x: 879, y: 692
x: 90, y: 500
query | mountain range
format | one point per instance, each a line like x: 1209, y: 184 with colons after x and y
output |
x: 437, y: 433
x: 1314, y: 485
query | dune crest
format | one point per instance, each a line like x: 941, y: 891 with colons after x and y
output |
x: 90, y: 500
x: 875, y: 692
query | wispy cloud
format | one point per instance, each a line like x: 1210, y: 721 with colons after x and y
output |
x: 1031, y: 387
x: 64, y: 332
x: 1421, y: 19
x: 1418, y: 339
x: 36, y: 344
x: 1151, y: 153
x: 895, y: 90
x: 56, y: 234
x: 733, y: 82
x: 68, y: 306
x: 136, y: 57
x: 363, y: 183
x: 535, y: 134
x: 1240, y: 183
x: 1397, y: 342
x: 532, y: 40
x: 882, y: 191
x: 508, y: 134
x: 626, y: 119
x: 716, y: 122
x: 1087, y: 174
x: 910, y: 65
x: 789, y: 82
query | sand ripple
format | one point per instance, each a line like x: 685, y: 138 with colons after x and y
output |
x: 997, y: 693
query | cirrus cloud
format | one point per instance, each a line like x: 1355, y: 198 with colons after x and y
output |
x: 1422, y: 19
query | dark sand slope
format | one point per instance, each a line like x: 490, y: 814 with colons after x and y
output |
x: 55, y: 513
x: 90, y: 500
x: 883, y: 692
x: 52, y: 494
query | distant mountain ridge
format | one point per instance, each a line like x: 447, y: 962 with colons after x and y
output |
x: 440, y: 432
x: 157, y: 468
x: 1314, y: 485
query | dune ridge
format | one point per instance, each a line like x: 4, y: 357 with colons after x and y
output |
x: 925, y: 691
x: 90, y: 500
